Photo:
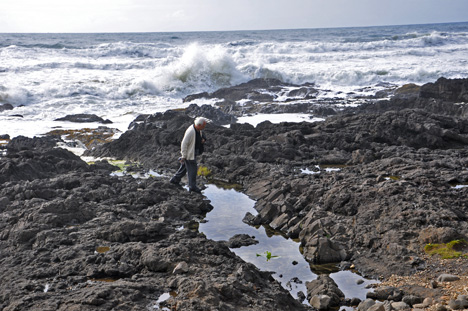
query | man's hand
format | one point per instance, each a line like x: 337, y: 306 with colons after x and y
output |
x: 181, y: 160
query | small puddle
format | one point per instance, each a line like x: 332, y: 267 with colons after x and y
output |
x: 273, y: 252
x: 102, y: 249
x: 159, y: 305
x: 458, y: 186
x: 323, y: 168
x: 352, y: 284
x: 137, y: 175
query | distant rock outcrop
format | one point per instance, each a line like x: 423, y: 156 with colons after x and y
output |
x: 84, y: 118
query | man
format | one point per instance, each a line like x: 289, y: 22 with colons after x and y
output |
x: 190, y: 148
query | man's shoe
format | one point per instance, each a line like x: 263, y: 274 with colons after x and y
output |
x: 174, y: 182
x: 197, y: 190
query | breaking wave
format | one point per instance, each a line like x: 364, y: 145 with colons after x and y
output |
x: 80, y: 72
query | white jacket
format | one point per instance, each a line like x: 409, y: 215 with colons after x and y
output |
x: 187, y: 147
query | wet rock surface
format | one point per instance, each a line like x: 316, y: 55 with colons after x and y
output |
x: 4, y: 107
x: 369, y: 186
x: 83, y: 118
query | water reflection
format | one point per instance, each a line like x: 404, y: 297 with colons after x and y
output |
x: 351, y: 284
x: 225, y: 221
x: 290, y: 267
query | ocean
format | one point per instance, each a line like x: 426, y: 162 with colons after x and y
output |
x: 118, y: 76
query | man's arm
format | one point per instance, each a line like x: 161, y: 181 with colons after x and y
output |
x: 186, y: 141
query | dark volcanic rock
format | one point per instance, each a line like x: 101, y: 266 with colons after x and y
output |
x: 84, y: 118
x: 265, y: 91
x: 452, y: 90
x: 4, y: 107
x: 25, y: 143
x: 240, y: 240
x: 30, y: 159
x: 249, y: 90
x: 396, y: 166
x: 216, y: 116
x: 444, y: 97
x: 72, y: 237
x: 324, y: 286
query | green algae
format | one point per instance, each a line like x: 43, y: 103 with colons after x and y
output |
x: 451, y: 250
x: 267, y: 255
x: 204, y: 171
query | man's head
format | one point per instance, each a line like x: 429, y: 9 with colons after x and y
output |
x: 200, y: 123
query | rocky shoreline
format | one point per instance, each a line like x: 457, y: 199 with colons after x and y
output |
x: 392, y: 192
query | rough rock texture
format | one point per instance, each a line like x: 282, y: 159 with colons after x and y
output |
x: 323, y: 293
x: 4, y: 107
x: 72, y: 237
x: 379, y: 187
x: 392, y: 194
x: 258, y: 96
x: 83, y: 118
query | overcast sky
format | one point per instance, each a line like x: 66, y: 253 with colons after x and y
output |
x: 206, y: 15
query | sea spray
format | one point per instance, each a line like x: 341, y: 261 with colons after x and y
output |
x: 46, y: 76
x: 201, y: 68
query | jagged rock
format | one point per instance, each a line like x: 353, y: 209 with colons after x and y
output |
x: 321, y: 250
x: 4, y: 107
x: 81, y: 238
x: 84, y: 118
x: 374, y: 151
x: 324, y: 292
x: 438, y: 235
x: 366, y: 304
x: 240, y: 240
x: 447, y: 89
x: 215, y: 115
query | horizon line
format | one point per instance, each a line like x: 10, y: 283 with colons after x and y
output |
x: 238, y: 30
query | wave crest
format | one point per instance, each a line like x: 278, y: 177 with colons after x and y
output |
x: 201, y: 67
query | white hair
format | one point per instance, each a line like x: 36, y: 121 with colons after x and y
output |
x: 200, y: 121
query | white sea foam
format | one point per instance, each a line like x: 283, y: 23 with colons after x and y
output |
x: 278, y: 118
x: 113, y: 75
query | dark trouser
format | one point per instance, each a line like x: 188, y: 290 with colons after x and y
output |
x: 189, y: 167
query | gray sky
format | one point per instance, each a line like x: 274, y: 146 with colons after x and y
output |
x: 206, y: 15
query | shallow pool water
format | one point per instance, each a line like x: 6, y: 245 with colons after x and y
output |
x: 290, y: 267
x: 225, y: 221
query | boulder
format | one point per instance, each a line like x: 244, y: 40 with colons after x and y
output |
x: 84, y: 118
x: 366, y: 304
x: 447, y: 278
x: 324, y: 292
x: 4, y: 107
x: 321, y: 302
x: 240, y: 240
x: 386, y: 293
x: 400, y: 305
